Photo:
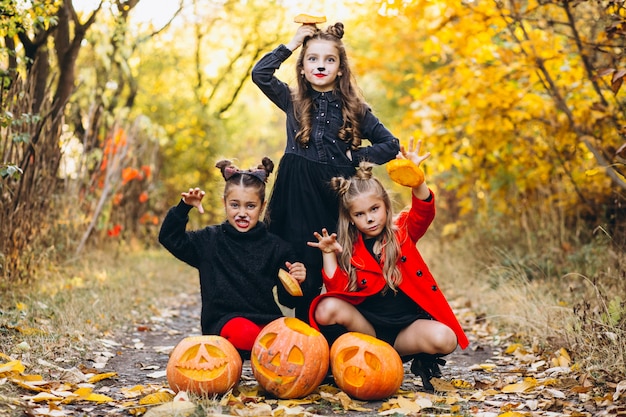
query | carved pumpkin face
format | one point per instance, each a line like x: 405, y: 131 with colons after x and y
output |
x: 289, y: 358
x: 204, y: 365
x: 364, y: 367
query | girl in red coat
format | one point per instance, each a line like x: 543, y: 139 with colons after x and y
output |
x: 376, y: 280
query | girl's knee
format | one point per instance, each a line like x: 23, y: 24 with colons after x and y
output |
x: 446, y: 340
x: 326, y: 311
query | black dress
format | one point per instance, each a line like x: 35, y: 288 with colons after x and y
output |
x: 301, y: 201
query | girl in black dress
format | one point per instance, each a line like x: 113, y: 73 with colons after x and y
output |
x: 326, y: 120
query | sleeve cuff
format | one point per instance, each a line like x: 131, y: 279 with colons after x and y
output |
x: 183, y: 208
x: 283, y: 52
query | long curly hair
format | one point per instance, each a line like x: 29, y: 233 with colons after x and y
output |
x: 353, y: 104
x: 387, y: 244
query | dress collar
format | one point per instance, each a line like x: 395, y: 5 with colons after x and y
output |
x: 328, y: 95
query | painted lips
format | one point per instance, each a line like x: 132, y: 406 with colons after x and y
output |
x: 242, y: 223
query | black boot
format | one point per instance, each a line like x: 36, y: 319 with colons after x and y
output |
x: 426, y: 366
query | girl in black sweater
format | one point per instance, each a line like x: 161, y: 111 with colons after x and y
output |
x: 238, y: 260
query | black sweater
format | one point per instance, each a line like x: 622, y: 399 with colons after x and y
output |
x: 237, y: 270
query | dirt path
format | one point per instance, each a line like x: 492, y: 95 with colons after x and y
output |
x: 491, y: 378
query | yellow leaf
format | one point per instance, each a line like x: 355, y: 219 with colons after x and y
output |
x: 13, y: 366
x: 459, y: 383
x: 348, y: 404
x: 561, y: 359
x: 527, y: 384
x: 487, y: 367
x: 156, y: 398
x: 133, y: 392
x: 512, y: 348
x: 100, y: 377
x: 86, y: 394
x: 83, y: 392
x: 98, y: 398
x: 511, y: 414
x: 21, y: 306
x: 29, y: 331
x: 44, y: 396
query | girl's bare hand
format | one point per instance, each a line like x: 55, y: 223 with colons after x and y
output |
x: 327, y: 243
x: 194, y: 198
x: 412, y: 152
x: 297, y: 270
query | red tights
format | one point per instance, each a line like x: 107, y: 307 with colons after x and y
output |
x: 241, y: 332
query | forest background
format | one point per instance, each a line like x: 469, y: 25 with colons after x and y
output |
x: 109, y: 110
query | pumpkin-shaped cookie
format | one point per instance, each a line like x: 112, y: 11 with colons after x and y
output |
x: 405, y: 172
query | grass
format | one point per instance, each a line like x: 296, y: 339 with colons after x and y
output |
x: 67, y: 307
x: 549, y: 288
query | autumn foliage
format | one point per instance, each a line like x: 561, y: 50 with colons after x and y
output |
x: 520, y: 102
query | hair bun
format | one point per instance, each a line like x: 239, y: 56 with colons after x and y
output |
x: 365, y: 170
x: 336, y: 30
x: 340, y: 185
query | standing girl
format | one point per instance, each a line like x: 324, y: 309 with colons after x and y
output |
x: 326, y: 120
x: 376, y: 279
x: 238, y: 260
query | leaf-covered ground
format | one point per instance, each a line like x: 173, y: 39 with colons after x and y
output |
x: 124, y: 375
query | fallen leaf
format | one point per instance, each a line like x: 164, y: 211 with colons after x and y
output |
x: 100, y: 377
x: 43, y: 396
x: 176, y: 408
x: 11, y: 367
x: 619, y: 390
x: 527, y: 384
x: 156, y: 398
x: 157, y: 374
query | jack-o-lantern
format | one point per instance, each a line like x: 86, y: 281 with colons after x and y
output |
x: 204, y: 365
x: 365, y: 367
x: 289, y: 358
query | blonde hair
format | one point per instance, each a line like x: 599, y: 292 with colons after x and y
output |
x: 386, y: 245
x: 353, y: 105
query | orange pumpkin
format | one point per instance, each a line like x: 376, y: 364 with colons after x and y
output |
x: 365, y: 367
x: 405, y: 172
x: 204, y: 365
x: 289, y: 358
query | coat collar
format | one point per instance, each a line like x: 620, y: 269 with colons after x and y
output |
x: 362, y: 259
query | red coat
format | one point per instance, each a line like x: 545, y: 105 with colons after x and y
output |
x: 417, y: 281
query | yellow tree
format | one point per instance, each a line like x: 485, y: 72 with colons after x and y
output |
x: 509, y: 95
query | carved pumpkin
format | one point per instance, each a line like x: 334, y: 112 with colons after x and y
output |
x: 289, y: 358
x: 204, y: 365
x: 365, y: 367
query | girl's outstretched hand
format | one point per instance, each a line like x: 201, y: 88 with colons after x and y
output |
x: 327, y: 243
x: 412, y: 152
x: 194, y: 198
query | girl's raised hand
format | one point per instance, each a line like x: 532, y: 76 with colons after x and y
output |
x: 194, y: 198
x: 327, y: 243
x: 302, y: 33
x: 412, y: 152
